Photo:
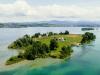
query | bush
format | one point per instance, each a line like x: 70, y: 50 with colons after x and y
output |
x: 61, y: 33
x: 66, y: 32
x: 13, y: 59
x: 53, y: 44
x: 37, y: 49
x: 50, y: 33
x: 65, y: 51
x: 21, y: 42
x: 44, y: 34
x: 37, y: 35
x: 45, y: 48
x: 55, y: 34
x: 87, y: 37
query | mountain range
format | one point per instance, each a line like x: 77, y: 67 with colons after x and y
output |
x: 52, y: 23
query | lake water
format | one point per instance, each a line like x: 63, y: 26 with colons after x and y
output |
x: 84, y: 61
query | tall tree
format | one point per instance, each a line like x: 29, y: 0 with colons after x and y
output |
x: 53, y: 44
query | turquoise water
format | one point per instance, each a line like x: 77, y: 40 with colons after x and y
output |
x: 84, y: 61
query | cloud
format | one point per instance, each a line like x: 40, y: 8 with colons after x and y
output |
x: 21, y: 9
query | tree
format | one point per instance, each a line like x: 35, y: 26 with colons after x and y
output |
x: 61, y: 33
x: 26, y: 40
x: 37, y: 34
x: 87, y: 37
x: 65, y: 51
x: 45, y: 48
x: 44, y: 34
x: 55, y: 34
x: 26, y: 36
x: 66, y: 32
x: 37, y: 49
x: 29, y: 53
x: 53, y: 44
x: 50, y: 33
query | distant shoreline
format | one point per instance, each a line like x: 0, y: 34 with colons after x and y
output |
x: 52, y: 23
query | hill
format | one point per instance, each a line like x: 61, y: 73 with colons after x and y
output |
x: 52, y: 23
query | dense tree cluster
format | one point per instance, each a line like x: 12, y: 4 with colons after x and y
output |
x: 36, y: 35
x: 22, y: 42
x: 85, y: 29
x: 44, y: 34
x: 33, y: 49
x: 53, y: 44
x: 64, y: 33
x: 66, y: 51
x: 50, y: 33
x: 87, y: 37
x: 36, y: 50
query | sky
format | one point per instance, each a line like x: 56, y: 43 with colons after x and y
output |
x: 40, y: 10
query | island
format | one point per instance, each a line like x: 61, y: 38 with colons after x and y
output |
x: 87, y: 29
x: 54, y: 45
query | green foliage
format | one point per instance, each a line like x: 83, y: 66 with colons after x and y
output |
x: 13, y: 60
x: 53, y: 44
x: 45, y: 48
x: 37, y: 35
x: 87, y: 37
x: 29, y: 53
x: 50, y: 33
x: 55, y: 34
x: 61, y: 33
x: 22, y: 42
x: 66, y: 32
x: 85, y: 29
x: 44, y: 34
x: 66, y: 51
x: 36, y: 50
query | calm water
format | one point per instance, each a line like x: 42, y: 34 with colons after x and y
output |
x: 84, y: 61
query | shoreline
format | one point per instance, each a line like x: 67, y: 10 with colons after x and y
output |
x: 37, y: 63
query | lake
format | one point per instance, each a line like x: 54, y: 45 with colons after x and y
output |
x: 84, y: 61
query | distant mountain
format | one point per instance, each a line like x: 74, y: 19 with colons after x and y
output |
x: 52, y: 23
x: 72, y: 23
